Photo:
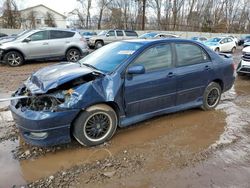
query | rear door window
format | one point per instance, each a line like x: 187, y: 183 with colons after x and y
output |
x: 119, y: 33
x: 190, y: 54
x: 61, y: 34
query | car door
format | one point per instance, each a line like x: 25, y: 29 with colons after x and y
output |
x: 59, y: 40
x: 230, y: 44
x: 223, y: 45
x: 194, y: 71
x: 156, y: 88
x: 119, y: 35
x: 110, y: 37
x: 36, y: 45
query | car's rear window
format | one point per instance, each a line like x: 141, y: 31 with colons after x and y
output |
x: 61, y: 34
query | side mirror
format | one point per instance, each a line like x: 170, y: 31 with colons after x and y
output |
x: 27, y: 40
x: 107, y: 35
x: 137, y: 69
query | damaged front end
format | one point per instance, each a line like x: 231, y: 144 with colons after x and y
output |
x: 45, y: 109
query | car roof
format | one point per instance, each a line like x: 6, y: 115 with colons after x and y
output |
x: 152, y: 41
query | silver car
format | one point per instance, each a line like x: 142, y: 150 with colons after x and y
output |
x: 43, y: 44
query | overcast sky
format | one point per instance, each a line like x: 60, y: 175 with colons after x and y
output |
x: 61, y: 6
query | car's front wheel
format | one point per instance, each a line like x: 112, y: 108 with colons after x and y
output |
x: 233, y: 50
x: 95, y: 125
x: 217, y: 50
x: 211, y: 96
x: 73, y: 55
x: 13, y: 59
x: 98, y: 44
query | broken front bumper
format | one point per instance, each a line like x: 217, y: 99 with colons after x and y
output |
x: 44, y: 128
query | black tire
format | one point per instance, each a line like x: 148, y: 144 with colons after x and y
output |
x: 241, y: 74
x: 96, y: 125
x: 73, y: 55
x: 233, y: 50
x: 13, y: 59
x: 211, y: 96
x: 217, y: 50
x: 99, y: 44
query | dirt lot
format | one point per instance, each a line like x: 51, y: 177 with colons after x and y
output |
x: 186, y: 149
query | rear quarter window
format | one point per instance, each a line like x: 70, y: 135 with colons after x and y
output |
x: 190, y: 54
x: 131, y: 34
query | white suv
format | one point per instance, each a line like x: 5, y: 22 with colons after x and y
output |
x: 43, y: 44
x: 244, y: 65
x: 109, y: 36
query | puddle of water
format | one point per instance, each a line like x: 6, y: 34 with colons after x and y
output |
x: 191, y: 125
x: 11, y: 173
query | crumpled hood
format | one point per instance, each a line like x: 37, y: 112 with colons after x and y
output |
x: 53, y: 76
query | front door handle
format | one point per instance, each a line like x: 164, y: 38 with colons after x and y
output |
x: 171, y: 74
x: 45, y: 43
x: 207, y: 67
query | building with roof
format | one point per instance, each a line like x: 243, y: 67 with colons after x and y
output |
x: 41, y: 16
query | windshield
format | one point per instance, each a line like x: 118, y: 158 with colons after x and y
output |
x: 148, y: 35
x: 109, y: 57
x: 214, y: 40
x: 102, y: 33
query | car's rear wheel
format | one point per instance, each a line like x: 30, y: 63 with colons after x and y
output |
x: 217, y: 50
x: 13, y: 59
x: 211, y: 96
x: 73, y: 55
x: 95, y: 125
x: 233, y: 50
x: 98, y: 44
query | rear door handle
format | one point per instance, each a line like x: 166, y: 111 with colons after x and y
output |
x: 45, y: 43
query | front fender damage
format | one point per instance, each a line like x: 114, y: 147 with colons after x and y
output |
x: 78, y: 93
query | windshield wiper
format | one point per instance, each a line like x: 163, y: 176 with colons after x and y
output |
x: 91, y: 66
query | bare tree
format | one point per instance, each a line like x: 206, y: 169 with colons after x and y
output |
x: 11, y: 15
x: 102, y: 4
x: 50, y: 20
x: 86, y: 5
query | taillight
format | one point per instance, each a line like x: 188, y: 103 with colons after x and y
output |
x: 233, y: 66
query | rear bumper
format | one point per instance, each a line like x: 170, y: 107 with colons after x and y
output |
x: 44, y: 128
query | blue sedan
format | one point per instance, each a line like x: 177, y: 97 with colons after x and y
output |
x: 118, y: 85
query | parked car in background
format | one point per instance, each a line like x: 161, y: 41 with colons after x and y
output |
x: 13, y: 36
x: 243, y: 39
x: 199, y: 39
x: 154, y: 35
x: 246, y: 43
x: 221, y: 44
x: 88, y: 34
x: 118, y: 85
x: 244, y: 65
x: 234, y: 38
x: 109, y: 36
x: 3, y: 35
x: 44, y: 44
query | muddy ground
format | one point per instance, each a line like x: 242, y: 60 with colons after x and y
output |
x: 193, y: 148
